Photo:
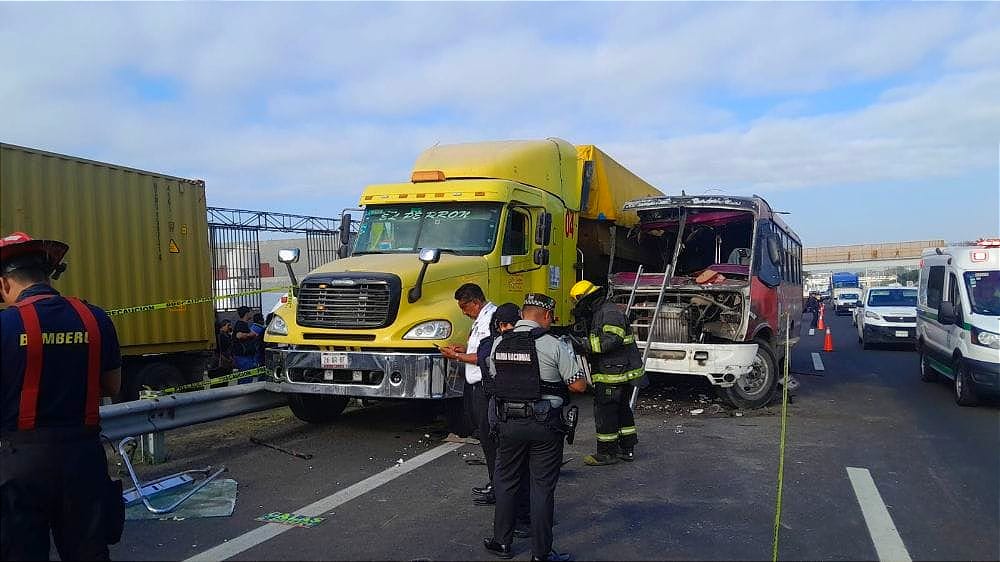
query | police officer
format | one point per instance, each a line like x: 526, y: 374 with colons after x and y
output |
x: 60, y: 355
x: 531, y: 371
x: 616, y: 365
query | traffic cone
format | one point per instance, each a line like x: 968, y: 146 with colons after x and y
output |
x: 821, y: 325
x: 828, y: 341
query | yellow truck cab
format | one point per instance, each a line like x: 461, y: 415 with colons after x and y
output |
x: 513, y: 217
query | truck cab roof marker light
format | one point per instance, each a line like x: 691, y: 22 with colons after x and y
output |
x: 419, y: 176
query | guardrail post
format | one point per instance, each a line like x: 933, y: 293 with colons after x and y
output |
x: 153, y: 448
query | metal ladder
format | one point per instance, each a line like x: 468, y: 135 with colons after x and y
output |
x: 649, y: 327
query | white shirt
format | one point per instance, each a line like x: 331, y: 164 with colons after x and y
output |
x: 480, y: 331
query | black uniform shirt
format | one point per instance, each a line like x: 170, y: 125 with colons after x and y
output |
x: 63, y: 386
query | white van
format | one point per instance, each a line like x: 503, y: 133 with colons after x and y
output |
x: 887, y: 315
x: 958, y: 318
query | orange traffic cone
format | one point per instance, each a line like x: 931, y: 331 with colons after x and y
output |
x: 821, y: 325
x: 828, y: 341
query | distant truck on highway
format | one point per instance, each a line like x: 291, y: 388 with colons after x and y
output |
x: 513, y: 217
x: 136, y: 238
x: 845, y: 292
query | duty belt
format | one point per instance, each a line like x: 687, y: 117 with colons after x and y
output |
x: 511, y: 409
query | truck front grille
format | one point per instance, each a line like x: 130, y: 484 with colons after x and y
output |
x: 347, y: 303
x: 901, y: 319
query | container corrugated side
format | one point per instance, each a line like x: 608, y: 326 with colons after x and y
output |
x: 135, y: 238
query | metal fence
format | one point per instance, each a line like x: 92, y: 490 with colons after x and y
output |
x: 321, y: 247
x: 237, y: 263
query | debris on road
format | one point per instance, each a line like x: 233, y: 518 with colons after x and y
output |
x: 279, y: 448
x: 291, y: 519
x: 697, y: 411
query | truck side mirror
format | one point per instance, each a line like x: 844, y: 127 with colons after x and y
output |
x: 288, y: 256
x: 345, y: 229
x: 946, y: 313
x: 542, y: 256
x: 430, y: 255
x: 543, y: 232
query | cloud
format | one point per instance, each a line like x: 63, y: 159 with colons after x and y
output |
x: 297, y: 106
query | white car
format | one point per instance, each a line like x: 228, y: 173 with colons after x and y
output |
x: 887, y: 315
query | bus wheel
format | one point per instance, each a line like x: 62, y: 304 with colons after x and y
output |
x: 755, y: 389
x: 317, y: 408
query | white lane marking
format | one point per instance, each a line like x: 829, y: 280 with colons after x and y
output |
x: 268, y: 531
x: 888, y: 544
x: 812, y: 331
x: 817, y: 362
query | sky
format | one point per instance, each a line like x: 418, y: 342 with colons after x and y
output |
x: 871, y: 122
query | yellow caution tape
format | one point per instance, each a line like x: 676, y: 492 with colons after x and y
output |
x: 185, y: 302
x: 202, y: 385
x: 781, y: 444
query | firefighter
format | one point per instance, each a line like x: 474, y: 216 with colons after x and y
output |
x: 616, y: 366
x: 60, y: 355
x: 532, y: 374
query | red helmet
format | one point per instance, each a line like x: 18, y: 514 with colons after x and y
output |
x: 19, y: 245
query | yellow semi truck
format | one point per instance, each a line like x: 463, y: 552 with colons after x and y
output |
x: 513, y: 217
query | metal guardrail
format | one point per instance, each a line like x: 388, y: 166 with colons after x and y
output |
x: 163, y: 413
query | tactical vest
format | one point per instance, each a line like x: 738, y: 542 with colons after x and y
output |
x: 518, y: 377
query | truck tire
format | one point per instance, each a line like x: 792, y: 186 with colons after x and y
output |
x: 317, y: 408
x: 965, y: 391
x: 156, y: 376
x: 927, y: 373
x: 757, y: 388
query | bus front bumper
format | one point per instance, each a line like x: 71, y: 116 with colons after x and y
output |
x: 720, y: 364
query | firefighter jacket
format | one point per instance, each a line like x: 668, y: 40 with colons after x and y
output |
x: 614, y: 357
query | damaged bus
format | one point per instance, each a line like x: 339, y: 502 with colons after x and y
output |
x: 730, y: 274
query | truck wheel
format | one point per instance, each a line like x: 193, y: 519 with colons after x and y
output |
x: 927, y: 373
x: 317, y: 408
x: 157, y: 376
x: 965, y: 392
x: 755, y: 389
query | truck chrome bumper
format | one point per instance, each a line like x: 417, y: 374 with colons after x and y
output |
x: 720, y: 364
x: 365, y: 374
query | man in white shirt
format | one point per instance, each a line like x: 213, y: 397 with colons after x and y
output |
x: 473, y: 303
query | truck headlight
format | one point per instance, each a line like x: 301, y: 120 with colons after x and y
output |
x: 872, y: 315
x: 986, y: 339
x: 278, y: 326
x: 432, y: 330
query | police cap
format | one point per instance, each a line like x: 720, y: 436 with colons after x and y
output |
x: 540, y: 300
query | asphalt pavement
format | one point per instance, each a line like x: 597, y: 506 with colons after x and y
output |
x: 924, y: 480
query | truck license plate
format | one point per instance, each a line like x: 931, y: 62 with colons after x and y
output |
x: 902, y: 333
x: 334, y: 360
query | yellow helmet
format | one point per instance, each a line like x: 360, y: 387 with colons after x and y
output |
x: 582, y: 289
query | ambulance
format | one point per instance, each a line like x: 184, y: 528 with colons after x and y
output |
x: 958, y: 318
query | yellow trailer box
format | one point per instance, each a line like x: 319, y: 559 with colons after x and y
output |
x: 135, y: 238
x: 611, y: 186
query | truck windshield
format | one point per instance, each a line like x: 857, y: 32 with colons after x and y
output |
x: 984, y: 291
x: 892, y: 297
x: 848, y: 296
x: 462, y: 228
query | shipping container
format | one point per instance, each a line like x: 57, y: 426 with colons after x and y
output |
x: 135, y: 238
